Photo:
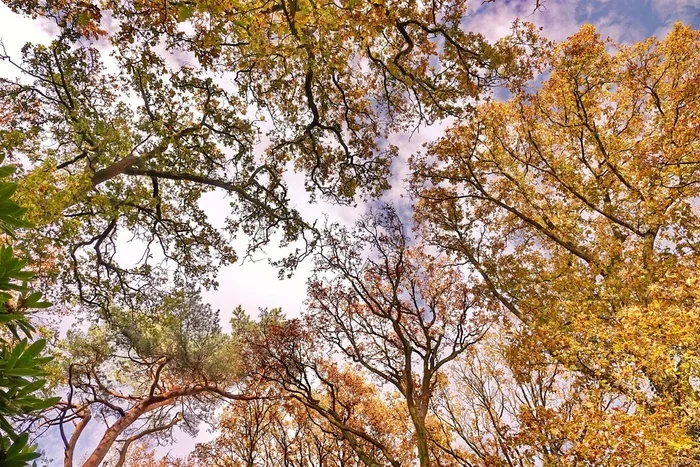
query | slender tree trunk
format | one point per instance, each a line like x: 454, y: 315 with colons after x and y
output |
x: 70, y: 449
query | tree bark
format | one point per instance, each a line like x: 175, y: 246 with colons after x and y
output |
x: 115, y: 430
x: 119, y: 167
x: 70, y: 449
x: 418, y: 419
x: 147, y: 405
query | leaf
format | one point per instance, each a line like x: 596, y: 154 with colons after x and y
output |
x: 7, y: 170
x: 7, y: 190
x: 185, y: 12
x: 42, y: 404
x: 9, y: 208
x: 32, y: 387
x: 7, y: 317
x: 22, y: 372
x: 33, y: 350
x: 22, y: 459
x: 19, y: 443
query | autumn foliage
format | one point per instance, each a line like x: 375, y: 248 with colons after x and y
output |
x: 574, y: 201
x: 537, y: 305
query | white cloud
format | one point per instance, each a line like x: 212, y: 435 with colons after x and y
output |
x: 622, y: 30
x: 15, y: 32
x: 494, y: 20
x: 671, y: 10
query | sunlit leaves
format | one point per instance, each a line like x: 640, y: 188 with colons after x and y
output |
x: 575, y: 203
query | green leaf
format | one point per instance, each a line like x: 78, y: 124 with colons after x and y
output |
x: 5, y: 254
x: 7, y: 317
x: 31, y: 299
x: 15, y: 222
x: 33, y: 350
x: 42, y: 404
x: 22, y: 372
x: 23, y: 276
x: 7, y: 190
x: 18, y: 445
x: 22, y: 459
x: 32, y: 387
x: 9, y: 208
x: 7, y: 170
x: 184, y: 12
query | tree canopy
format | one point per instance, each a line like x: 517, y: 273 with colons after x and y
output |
x: 532, y: 301
x: 128, y: 142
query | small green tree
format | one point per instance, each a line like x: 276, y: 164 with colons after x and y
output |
x: 21, y: 363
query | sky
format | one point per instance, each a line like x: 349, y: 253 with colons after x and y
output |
x: 255, y: 284
x: 625, y: 21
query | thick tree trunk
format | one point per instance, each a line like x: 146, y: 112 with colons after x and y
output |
x: 423, y: 452
x: 418, y: 419
x: 112, y: 433
x: 113, y: 170
x: 120, y: 166
x: 149, y: 404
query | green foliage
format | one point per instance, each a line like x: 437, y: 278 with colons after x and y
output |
x: 183, y: 332
x: 21, y: 363
x: 20, y: 453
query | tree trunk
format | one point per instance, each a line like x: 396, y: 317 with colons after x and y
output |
x: 149, y: 404
x: 120, y: 166
x: 418, y: 419
x: 70, y: 449
x: 112, y: 433
x: 127, y: 420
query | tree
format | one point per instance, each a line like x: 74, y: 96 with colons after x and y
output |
x: 546, y: 312
x: 22, y: 367
x: 289, y: 355
x: 510, y: 405
x: 246, y: 435
x: 393, y: 311
x: 142, y: 456
x: 135, y: 149
x: 270, y: 432
x: 574, y: 202
x: 399, y: 312
x: 145, y: 375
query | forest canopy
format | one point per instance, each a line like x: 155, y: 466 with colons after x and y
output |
x: 530, y: 299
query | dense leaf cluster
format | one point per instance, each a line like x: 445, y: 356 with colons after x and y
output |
x: 21, y: 364
x: 538, y: 306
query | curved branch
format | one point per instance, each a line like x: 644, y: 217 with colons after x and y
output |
x: 125, y: 448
